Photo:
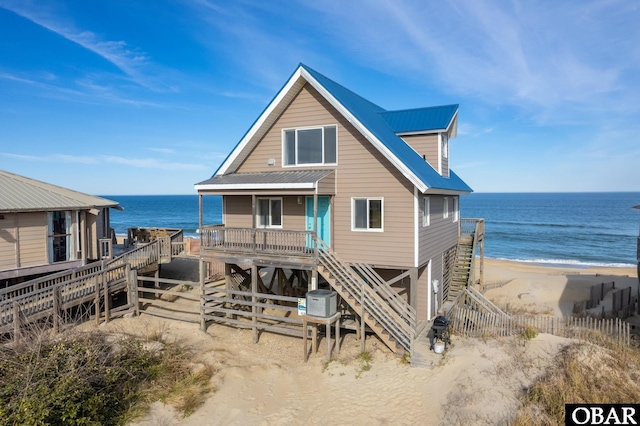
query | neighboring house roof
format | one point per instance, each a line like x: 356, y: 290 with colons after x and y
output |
x: 374, y: 122
x: 19, y: 193
x: 297, y: 179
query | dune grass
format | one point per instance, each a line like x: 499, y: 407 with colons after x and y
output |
x: 584, y: 373
x: 93, y: 378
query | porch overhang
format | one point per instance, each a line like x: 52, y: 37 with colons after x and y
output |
x: 294, y: 182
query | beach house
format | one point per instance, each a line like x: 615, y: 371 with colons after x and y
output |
x: 46, y: 228
x: 334, y: 191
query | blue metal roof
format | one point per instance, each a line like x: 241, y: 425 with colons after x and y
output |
x: 420, y: 119
x: 375, y: 119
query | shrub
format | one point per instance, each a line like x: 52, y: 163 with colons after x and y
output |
x: 83, y: 379
x: 529, y: 332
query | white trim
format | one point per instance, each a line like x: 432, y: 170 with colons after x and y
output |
x: 440, y: 153
x: 445, y: 207
x: 437, y: 191
x: 365, y: 131
x: 212, y: 187
x: 353, y: 228
x: 454, y: 119
x: 421, y: 132
x: 302, y: 73
x: 224, y: 168
x: 416, y: 228
x: 224, y: 210
x: 429, y: 290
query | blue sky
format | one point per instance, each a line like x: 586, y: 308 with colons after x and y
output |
x: 148, y: 97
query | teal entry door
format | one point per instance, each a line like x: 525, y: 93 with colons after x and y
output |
x: 324, y: 218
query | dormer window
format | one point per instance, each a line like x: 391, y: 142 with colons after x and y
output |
x: 445, y: 146
x: 309, y: 146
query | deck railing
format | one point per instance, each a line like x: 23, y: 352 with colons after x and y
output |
x: 141, y: 256
x: 470, y: 226
x: 257, y: 240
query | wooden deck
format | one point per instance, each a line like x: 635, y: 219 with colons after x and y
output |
x: 264, y: 247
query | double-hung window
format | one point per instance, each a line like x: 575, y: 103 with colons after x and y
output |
x: 426, y: 212
x: 59, y: 236
x: 456, y: 209
x: 367, y: 214
x: 310, y: 146
x: 269, y: 214
x: 445, y: 207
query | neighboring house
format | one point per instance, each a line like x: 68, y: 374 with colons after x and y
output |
x: 46, y: 228
x: 375, y: 184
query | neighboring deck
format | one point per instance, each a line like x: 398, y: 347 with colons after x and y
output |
x: 40, y: 298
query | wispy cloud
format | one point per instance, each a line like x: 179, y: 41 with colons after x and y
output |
x: 64, y: 158
x: 262, y: 50
x: 556, y: 59
x: 24, y: 157
x: 128, y: 59
x: 145, y: 163
x: 84, y: 90
x: 152, y: 163
x: 167, y: 151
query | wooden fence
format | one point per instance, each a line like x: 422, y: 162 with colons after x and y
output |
x: 475, y: 323
x: 257, y: 311
x: 55, y: 295
x: 598, y: 292
x: 55, y: 302
x: 168, y: 291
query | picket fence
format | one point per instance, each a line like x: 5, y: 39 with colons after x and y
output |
x: 476, y: 323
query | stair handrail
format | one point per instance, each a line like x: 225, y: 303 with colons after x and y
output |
x: 393, y: 323
x: 482, y: 300
x: 385, y: 291
x: 478, y: 233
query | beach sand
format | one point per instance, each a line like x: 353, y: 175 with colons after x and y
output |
x: 476, y: 381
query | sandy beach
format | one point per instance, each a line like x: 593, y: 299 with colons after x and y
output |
x: 476, y: 381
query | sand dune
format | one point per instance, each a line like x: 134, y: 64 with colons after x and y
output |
x: 475, y: 382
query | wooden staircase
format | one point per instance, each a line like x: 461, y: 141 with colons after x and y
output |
x: 388, y: 315
x: 462, y: 266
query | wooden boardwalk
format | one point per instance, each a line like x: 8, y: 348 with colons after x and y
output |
x: 52, y: 295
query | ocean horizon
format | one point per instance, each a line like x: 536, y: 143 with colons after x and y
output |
x: 578, y: 229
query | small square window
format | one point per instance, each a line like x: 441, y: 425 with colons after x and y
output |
x: 269, y: 214
x: 367, y: 214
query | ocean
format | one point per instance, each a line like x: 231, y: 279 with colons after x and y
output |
x: 579, y: 229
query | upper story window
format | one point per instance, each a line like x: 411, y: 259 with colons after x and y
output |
x: 310, y: 146
x: 366, y: 214
x: 445, y: 146
x: 426, y: 212
x: 456, y: 209
x: 445, y: 207
x: 269, y: 214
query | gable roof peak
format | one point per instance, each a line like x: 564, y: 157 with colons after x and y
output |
x: 371, y: 120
